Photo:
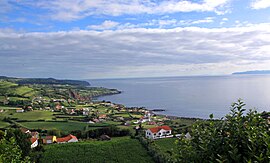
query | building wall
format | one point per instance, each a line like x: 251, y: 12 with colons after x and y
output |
x: 73, y: 140
x: 34, y: 144
x: 161, y: 134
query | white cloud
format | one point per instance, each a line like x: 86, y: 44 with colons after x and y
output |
x: 105, y: 25
x: 166, y: 23
x: 206, y: 20
x: 260, y: 4
x: 76, y: 9
x: 135, y: 52
x: 225, y: 19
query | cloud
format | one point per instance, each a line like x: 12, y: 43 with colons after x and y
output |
x: 166, y: 23
x: 4, y: 6
x: 260, y: 4
x: 135, y: 52
x: 105, y: 25
x: 77, y: 9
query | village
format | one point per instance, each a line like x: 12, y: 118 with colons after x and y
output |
x: 103, y: 114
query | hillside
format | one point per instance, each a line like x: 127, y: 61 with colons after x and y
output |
x: 121, y: 149
x: 46, y: 81
x: 21, y: 92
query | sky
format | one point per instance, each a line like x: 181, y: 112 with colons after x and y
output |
x: 88, y: 39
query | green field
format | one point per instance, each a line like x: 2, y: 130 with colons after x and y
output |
x: 167, y: 145
x: 63, y: 126
x: 5, y: 84
x: 34, y: 115
x: 7, y: 108
x: 4, y: 124
x: 122, y: 150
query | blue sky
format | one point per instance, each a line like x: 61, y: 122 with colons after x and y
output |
x: 83, y: 39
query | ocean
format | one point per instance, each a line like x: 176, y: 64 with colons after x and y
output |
x: 196, y: 97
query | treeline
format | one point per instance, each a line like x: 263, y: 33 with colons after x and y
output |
x: 51, y: 81
x: 111, y: 131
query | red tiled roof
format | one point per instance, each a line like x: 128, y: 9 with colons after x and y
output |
x: 103, y: 116
x: 157, y: 129
x: 33, y: 140
x: 67, y: 138
x: 24, y: 130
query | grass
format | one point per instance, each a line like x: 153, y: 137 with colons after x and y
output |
x: 122, y: 149
x: 4, y: 124
x: 184, y: 121
x: 63, y: 126
x: 167, y: 144
x: 5, y: 84
x: 34, y: 115
x: 7, y: 108
x: 22, y: 90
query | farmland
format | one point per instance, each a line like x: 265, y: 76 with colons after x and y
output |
x: 121, y: 149
x: 63, y: 126
x: 167, y: 146
x: 40, y: 92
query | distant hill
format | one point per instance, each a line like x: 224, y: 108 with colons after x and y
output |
x: 49, y: 81
x: 255, y: 72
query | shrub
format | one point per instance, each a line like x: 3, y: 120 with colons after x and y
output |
x: 237, y: 138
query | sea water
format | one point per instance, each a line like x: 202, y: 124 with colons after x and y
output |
x: 191, y: 96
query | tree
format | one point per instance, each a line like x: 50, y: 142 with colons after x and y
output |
x: 237, y: 138
x: 21, y: 139
x: 10, y: 151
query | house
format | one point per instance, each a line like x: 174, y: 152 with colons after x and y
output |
x: 59, y: 107
x: 68, y: 139
x: 102, y: 116
x: 25, y: 130
x: 91, y: 122
x: 158, y: 132
x: 19, y: 110
x: 49, y: 140
x: 188, y: 136
x: 34, y: 142
x: 86, y: 111
x: 34, y: 134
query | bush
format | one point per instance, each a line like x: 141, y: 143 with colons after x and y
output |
x: 237, y: 138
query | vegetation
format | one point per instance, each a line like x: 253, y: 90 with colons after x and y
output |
x: 121, y: 149
x: 10, y: 151
x: 63, y: 126
x: 42, y: 93
x: 60, y: 109
x: 237, y: 138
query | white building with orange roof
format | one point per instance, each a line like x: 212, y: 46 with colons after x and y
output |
x: 159, y: 132
x: 34, y: 142
x: 68, y: 139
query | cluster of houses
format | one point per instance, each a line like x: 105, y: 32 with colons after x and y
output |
x: 47, y: 139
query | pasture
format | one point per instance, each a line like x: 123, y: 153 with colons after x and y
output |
x: 122, y: 149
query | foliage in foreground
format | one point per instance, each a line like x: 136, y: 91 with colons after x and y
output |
x: 238, y: 138
x: 121, y: 149
x: 10, y: 151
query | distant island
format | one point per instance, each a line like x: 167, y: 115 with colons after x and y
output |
x: 255, y: 72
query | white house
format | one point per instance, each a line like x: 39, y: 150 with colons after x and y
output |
x: 158, y: 132
x: 85, y: 111
x: 145, y: 118
x: 19, y: 110
x: 68, y: 139
x: 34, y: 142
